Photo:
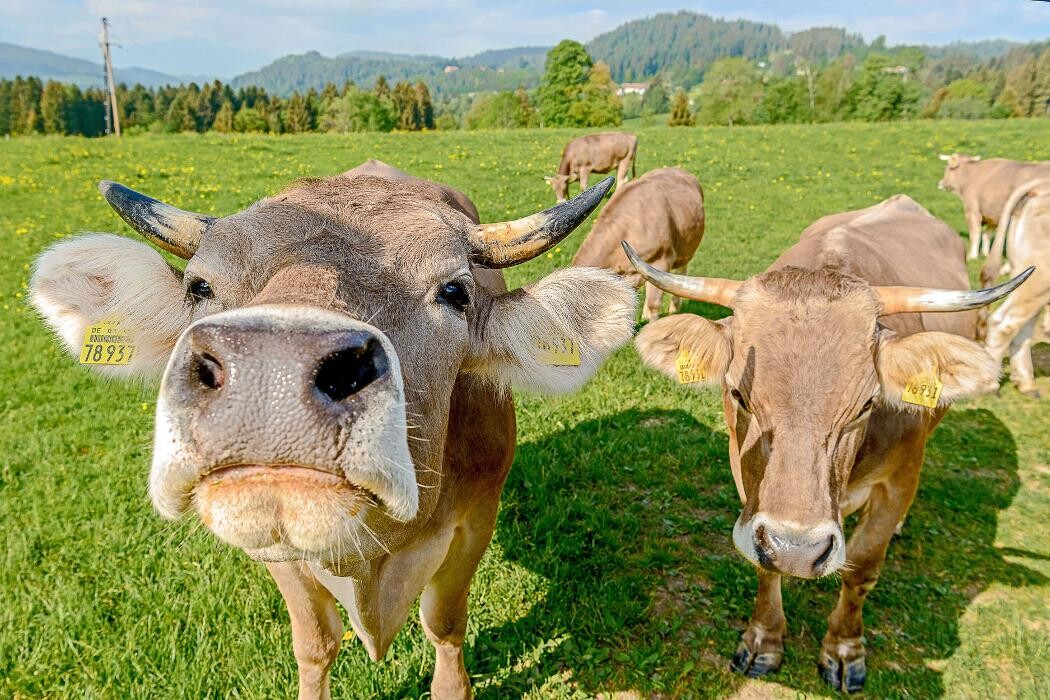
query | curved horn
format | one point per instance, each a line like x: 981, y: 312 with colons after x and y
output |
x: 712, y: 290
x: 512, y: 242
x: 172, y: 229
x: 902, y: 300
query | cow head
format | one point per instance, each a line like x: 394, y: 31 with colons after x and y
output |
x: 803, y: 364
x: 311, y: 345
x: 560, y: 185
x: 954, y: 171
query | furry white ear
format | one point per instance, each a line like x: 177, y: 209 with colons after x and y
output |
x: 100, y: 277
x: 686, y: 347
x: 551, y: 336
x: 961, y: 366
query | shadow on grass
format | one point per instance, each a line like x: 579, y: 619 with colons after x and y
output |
x: 629, y: 519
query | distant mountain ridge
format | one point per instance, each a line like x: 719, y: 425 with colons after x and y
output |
x: 678, y: 45
x: 21, y: 60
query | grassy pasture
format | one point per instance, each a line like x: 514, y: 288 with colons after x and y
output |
x: 612, y: 567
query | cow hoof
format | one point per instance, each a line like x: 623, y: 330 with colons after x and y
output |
x: 754, y: 665
x: 842, y: 675
x: 1032, y: 393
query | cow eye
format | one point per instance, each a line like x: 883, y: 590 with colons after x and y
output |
x: 739, y: 398
x: 200, y: 289
x: 455, y: 295
x: 868, y: 406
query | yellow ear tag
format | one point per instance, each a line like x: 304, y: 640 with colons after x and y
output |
x: 106, y: 343
x: 560, y: 352
x: 690, y: 371
x: 923, y: 390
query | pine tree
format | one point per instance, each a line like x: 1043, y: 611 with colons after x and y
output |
x: 381, y: 88
x: 224, y: 118
x: 296, y: 115
x: 425, y: 106
x: 54, y: 109
x: 680, y: 114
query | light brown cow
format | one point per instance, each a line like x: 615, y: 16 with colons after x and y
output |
x: 984, y: 186
x: 1024, y: 230
x: 335, y: 395
x: 661, y: 215
x: 814, y: 366
x: 594, y: 153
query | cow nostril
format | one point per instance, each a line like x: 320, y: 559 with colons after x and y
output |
x: 823, y: 558
x: 208, y: 370
x: 345, y: 372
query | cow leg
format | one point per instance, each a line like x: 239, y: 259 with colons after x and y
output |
x: 585, y: 175
x: 676, y: 301
x: 842, y: 662
x: 623, y: 170
x: 654, y: 297
x: 1022, y: 373
x: 1011, y: 327
x: 443, y: 606
x: 762, y: 645
x: 974, y: 223
x: 986, y: 242
x: 317, y: 627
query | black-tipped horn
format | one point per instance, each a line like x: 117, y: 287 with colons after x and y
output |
x: 902, y: 300
x: 168, y: 227
x: 509, y: 243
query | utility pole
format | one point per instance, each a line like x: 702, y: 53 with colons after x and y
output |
x: 112, y: 113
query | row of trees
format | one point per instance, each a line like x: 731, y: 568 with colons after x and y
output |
x: 29, y: 106
x: 881, y: 88
x: 575, y: 92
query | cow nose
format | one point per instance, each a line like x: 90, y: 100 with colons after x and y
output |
x: 320, y: 367
x: 804, y: 552
x: 346, y: 371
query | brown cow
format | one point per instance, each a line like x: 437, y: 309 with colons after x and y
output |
x: 335, y: 396
x: 819, y: 364
x: 661, y: 215
x: 594, y: 153
x: 984, y: 186
x: 1024, y: 230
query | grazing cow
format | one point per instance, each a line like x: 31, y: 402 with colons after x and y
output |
x: 1024, y: 229
x: 661, y: 215
x: 335, y: 395
x: 822, y: 366
x: 984, y: 186
x: 594, y: 153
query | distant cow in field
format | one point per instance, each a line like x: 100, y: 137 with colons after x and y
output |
x: 984, y: 186
x: 661, y: 215
x: 594, y: 153
x: 1024, y: 230
x: 335, y: 400
x: 834, y: 370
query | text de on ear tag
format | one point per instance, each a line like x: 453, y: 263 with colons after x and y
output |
x: 106, y: 343
x: 923, y: 390
x: 690, y: 370
x: 558, y: 352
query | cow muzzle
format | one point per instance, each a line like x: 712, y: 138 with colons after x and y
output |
x: 284, y: 428
x: 809, y: 551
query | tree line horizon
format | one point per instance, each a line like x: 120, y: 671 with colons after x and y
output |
x: 576, y: 91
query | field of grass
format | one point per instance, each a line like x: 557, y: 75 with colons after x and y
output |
x: 612, y: 567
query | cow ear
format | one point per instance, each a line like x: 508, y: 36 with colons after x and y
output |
x: 932, y: 369
x: 553, y: 335
x: 101, y: 278
x: 688, y: 348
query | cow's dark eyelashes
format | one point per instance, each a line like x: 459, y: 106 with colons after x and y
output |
x: 455, y: 295
x: 200, y: 289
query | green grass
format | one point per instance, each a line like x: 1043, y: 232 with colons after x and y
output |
x: 612, y: 567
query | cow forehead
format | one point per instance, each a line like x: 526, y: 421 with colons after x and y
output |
x: 359, y: 224
x: 803, y: 328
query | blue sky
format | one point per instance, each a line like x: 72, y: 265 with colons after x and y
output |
x: 227, y: 37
